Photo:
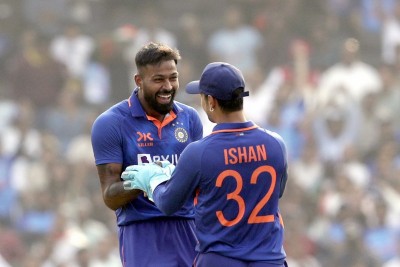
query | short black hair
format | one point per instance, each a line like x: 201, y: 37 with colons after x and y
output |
x: 234, y: 104
x: 155, y: 53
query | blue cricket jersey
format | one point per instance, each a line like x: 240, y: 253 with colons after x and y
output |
x: 237, y: 175
x: 124, y: 134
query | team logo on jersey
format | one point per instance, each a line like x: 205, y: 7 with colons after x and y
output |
x: 144, y: 139
x: 181, y: 135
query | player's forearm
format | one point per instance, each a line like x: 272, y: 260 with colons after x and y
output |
x: 164, y: 203
x: 172, y: 195
x: 115, y: 196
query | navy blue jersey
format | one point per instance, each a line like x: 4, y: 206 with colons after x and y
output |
x: 124, y: 134
x: 237, y: 175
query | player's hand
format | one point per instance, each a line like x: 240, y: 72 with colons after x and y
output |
x: 147, y: 177
x: 138, y: 176
x: 168, y: 168
x: 158, y: 179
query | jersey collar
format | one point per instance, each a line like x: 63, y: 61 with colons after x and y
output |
x: 234, y: 127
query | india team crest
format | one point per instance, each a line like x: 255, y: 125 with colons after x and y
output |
x: 181, y: 135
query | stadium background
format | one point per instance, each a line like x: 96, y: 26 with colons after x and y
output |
x: 341, y: 121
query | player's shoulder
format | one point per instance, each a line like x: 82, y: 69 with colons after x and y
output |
x: 114, y: 114
x: 204, y: 143
x: 277, y: 138
x: 185, y: 108
x: 273, y: 135
x: 196, y: 147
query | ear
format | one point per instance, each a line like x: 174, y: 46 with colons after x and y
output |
x: 212, y: 102
x: 138, y: 80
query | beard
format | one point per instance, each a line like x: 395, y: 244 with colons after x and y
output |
x: 159, y: 107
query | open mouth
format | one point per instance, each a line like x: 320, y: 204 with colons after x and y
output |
x: 164, y: 98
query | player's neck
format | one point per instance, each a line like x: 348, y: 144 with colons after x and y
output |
x: 231, y: 117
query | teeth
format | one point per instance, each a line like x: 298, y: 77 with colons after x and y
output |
x: 165, y: 96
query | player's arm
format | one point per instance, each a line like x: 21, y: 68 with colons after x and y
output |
x: 114, y: 195
x: 169, y: 197
x: 284, y: 176
x: 107, y: 148
x: 196, y: 126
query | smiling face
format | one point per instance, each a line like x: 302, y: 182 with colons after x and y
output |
x: 158, y: 85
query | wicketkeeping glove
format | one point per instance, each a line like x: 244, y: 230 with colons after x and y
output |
x: 147, y: 177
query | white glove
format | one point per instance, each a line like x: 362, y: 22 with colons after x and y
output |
x: 147, y: 177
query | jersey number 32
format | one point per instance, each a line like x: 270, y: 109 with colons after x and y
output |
x: 235, y: 196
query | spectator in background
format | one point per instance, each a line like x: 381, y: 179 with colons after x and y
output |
x: 47, y: 17
x: 192, y: 43
x: 394, y: 261
x: 236, y: 42
x: 12, y: 246
x: 22, y: 142
x: 8, y: 194
x: 193, y: 48
x: 106, y: 254
x: 308, y: 165
x: 324, y: 40
x: 379, y: 239
x: 285, y: 116
x: 111, y: 49
x: 353, y: 75
x: 388, y: 99
x: 387, y: 170
x: 3, y: 262
x: 62, y: 244
x: 289, y: 87
x: 369, y: 134
x: 303, y: 74
x: 152, y: 29
x: 390, y: 34
x: 8, y: 109
x: 37, y: 215
x: 73, y: 49
x: 7, y: 45
x: 96, y: 80
x: 34, y: 75
x: 335, y: 129
x: 354, y: 167
x: 68, y: 119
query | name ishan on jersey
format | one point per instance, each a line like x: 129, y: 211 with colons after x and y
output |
x: 245, y: 154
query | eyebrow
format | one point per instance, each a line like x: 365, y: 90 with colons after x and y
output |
x: 162, y: 76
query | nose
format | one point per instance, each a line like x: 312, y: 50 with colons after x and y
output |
x: 167, y: 84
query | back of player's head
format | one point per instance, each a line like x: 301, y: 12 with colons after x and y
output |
x: 155, y: 53
x: 224, y: 82
x: 235, y: 104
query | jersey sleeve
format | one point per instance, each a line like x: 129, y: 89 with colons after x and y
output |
x: 106, y: 139
x: 196, y: 126
x: 172, y: 195
x: 284, y: 175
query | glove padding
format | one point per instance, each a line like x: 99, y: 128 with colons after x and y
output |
x: 147, y: 177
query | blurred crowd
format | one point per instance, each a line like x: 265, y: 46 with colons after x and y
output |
x: 324, y: 74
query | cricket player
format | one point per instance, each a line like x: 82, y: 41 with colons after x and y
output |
x: 236, y: 175
x: 149, y: 126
